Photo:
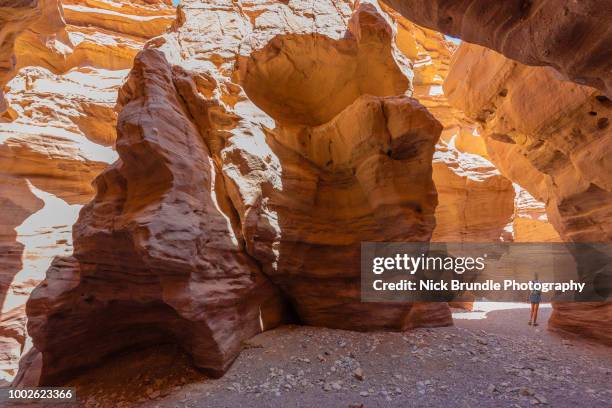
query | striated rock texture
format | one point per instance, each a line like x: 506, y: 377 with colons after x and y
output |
x: 15, y: 17
x: 475, y: 202
x: 341, y: 184
x: 232, y: 165
x: 17, y: 203
x: 587, y: 319
x: 570, y: 36
x: 156, y: 259
x: 258, y: 146
x: 530, y: 222
x: 549, y: 136
x: 552, y: 137
x: 57, y: 132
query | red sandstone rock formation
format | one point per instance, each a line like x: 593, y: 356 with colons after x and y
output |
x: 586, y: 319
x: 221, y: 166
x: 156, y: 259
x: 539, y: 130
x: 58, y: 131
x: 259, y: 147
x: 476, y: 201
x: 548, y: 135
x: 530, y: 223
x: 17, y: 203
x: 342, y: 183
x: 570, y: 36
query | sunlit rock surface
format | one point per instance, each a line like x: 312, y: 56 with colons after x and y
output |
x: 57, y: 133
x: 241, y: 155
x: 15, y: 17
x: 549, y: 136
x: 552, y: 137
x: 475, y: 202
x: 530, y: 222
x: 259, y: 143
x: 573, y: 37
x: 168, y: 267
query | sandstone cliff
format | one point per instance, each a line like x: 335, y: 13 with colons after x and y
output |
x: 551, y: 137
x: 545, y: 134
x: 255, y: 145
x: 570, y: 36
x: 548, y: 135
x: 475, y: 202
x: 57, y: 131
x: 14, y: 18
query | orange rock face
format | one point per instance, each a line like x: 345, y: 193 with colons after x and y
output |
x: 259, y: 144
x: 228, y: 170
x: 475, y: 202
x: 14, y: 18
x: 570, y: 36
x: 548, y: 135
x: 587, y: 319
x: 530, y: 223
x: 551, y: 137
x: 340, y: 184
x: 17, y: 203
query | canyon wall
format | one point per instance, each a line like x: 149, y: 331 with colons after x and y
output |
x: 57, y: 132
x: 552, y: 137
x: 475, y: 202
x: 548, y: 135
x: 570, y: 36
x: 254, y: 146
x: 14, y: 19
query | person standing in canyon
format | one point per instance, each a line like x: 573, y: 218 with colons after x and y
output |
x: 534, y: 297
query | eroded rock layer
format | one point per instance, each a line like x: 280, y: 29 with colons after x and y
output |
x: 339, y: 184
x: 550, y: 136
x: 225, y: 173
x: 259, y: 144
x: 475, y: 202
x: 57, y: 133
x: 156, y: 259
x: 571, y: 36
x: 586, y: 319
x: 530, y: 222
x: 15, y: 17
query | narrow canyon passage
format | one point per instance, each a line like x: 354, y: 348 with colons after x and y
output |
x: 185, y: 191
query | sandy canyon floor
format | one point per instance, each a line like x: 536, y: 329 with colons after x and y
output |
x: 488, y: 359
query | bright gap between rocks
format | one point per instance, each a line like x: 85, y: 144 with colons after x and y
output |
x: 480, y: 309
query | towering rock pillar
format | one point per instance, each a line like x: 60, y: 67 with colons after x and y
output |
x: 259, y: 144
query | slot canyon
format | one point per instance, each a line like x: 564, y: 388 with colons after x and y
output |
x: 185, y: 187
